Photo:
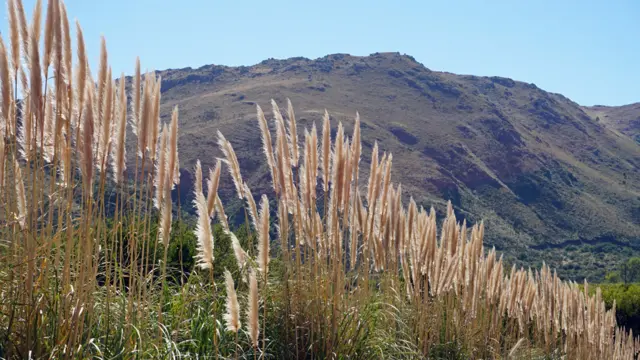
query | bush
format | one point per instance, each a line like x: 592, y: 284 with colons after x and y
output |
x: 627, y: 298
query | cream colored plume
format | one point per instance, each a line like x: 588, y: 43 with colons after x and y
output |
x: 204, y: 258
x: 212, y: 187
x: 263, y: 235
x: 267, y: 147
x: 119, y: 151
x: 232, y: 163
x: 232, y: 315
x: 252, y: 310
x: 238, y: 251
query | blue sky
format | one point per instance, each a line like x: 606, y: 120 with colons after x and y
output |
x: 586, y: 50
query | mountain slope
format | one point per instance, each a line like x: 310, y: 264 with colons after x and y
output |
x: 538, y: 168
x: 623, y: 119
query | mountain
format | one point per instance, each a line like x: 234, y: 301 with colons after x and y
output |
x: 624, y: 120
x: 552, y: 180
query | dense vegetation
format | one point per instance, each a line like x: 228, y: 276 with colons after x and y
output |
x: 627, y: 272
x: 623, y: 288
x: 98, y: 262
x: 627, y: 302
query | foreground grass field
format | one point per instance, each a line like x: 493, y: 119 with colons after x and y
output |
x: 94, y: 265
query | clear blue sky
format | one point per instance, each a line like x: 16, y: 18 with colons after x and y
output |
x: 586, y: 50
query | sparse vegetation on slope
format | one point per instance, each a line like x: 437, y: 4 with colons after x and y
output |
x: 325, y: 268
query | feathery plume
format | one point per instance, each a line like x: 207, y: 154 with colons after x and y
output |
x: 253, y: 209
x: 284, y: 158
x: 326, y: 151
x: 293, y: 134
x: 173, y: 167
x: 49, y: 119
x: 87, y: 142
x: 66, y: 43
x: 252, y: 310
x: 313, y: 165
x: 165, y: 220
x: 102, y: 74
x: 222, y: 217
x: 81, y: 70
x: 263, y: 235
x: 212, y: 187
x: 25, y: 129
x: 101, y: 111
x: 357, y: 208
x: 356, y: 149
x: 267, y: 147
x: 145, y: 115
x: 49, y: 33
x: 372, y: 184
x: 198, y: 175
x: 232, y: 162
x: 232, y: 316
x: 14, y: 35
x: 24, y: 29
x: 36, y: 22
x: 204, y: 258
x: 56, y: 54
x: 305, y: 178
x: 347, y: 178
x: 154, y: 118
x: 161, y: 163
x: 337, y: 168
x: 120, y: 135
x: 135, y: 104
x: 106, y: 125
x: 238, y: 251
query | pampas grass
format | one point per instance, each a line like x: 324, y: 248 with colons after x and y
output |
x: 232, y: 163
x: 137, y: 98
x: 86, y: 151
x: 81, y: 67
x: 252, y: 311
x: 293, y: 134
x: 172, y: 164
x: 364, y: 276
x: 14, y: 35
x: 212, y: 187
x: 326, y: 151
x: 267, y: 147
x: 203, y: 233
x: 21, y: 196
x: 238, y: 251
x: 160, y: 181
x: 232, y: 315
x: 263, y: 236
x: 253, y: 208
x: 120, y: 134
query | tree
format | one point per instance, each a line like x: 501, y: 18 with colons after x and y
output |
x: 633, y: 269
x: 613, y: 277
x: 630, y: 270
